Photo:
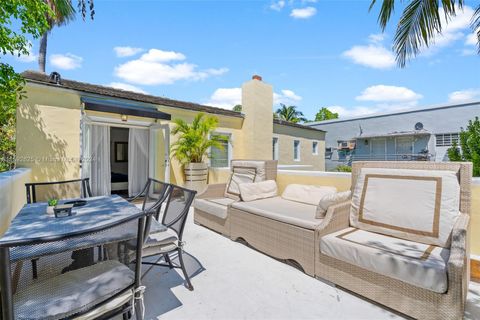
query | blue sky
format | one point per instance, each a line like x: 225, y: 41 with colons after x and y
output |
x: 315, y: 54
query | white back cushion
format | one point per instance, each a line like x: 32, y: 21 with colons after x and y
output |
x: 331, y: 200
x: 258, y: 190
x: 243, y: 171
x: 308, y: 194
x: 416, y: 205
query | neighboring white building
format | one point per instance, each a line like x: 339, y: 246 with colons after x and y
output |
x: 419, y: 134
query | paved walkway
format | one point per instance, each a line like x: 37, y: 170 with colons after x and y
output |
x: 233, y: 281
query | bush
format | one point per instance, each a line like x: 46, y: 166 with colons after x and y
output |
x: 469, y: 146
x: 343, y: 168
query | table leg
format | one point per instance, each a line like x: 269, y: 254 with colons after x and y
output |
x: 6, y: 284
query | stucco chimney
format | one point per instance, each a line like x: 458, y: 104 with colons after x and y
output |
x: 257, y: 105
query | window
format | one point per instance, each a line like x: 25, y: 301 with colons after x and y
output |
x: 275, y: 148
x: 296, y: 150
x: 446, y: 139
x: 220, y: 157
x: 314, y: 147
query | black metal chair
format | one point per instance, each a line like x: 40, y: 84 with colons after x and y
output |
x: 99, y: 290
x: 46, y: 189
x: 165, y: 237
x: 153, y: 193
x: 83, y: 185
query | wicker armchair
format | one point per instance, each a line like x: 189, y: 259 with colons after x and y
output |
x: 212, y: 207
x: 401, y: 296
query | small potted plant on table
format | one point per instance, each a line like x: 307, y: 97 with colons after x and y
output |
x: 51, y: 206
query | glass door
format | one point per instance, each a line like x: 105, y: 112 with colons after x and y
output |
x: 159, y: 152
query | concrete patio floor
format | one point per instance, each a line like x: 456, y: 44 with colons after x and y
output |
x: 233, y: 281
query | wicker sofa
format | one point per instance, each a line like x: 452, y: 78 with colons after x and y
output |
x: 285, y: 226
x: 424, y: 281
x: 212, y: 207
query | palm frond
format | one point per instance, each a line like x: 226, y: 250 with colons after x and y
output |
x: 419, y: 23
x: 386, y: 11
x: 476, y: 25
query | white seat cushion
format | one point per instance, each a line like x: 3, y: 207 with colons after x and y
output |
x: 418, y: 264
x: 72, y: 292
x: 161, y: 238
x: 291, y: 212
x: 417, y: 205
x: 309, y: 194
x: 216, y: 207
x: 331, y: 200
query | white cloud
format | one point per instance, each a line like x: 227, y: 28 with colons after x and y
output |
x: 27, y: 58
x: 278, y: 5
x: 376, y: 38
x: 303, y: 13
x: 468, y: 52
x: 383, y: 93
x: 126, y: 51
x: 156, y: 55
x: 66, y: 61
x: 287, y: 97
x: 227, y: 98
x: 372, y: 55
x: 157, y: 67
x: 464, y: 95
x: 471, y: 39
x: 126, y: 87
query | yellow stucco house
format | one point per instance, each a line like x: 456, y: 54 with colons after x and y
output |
x: 68, y: 129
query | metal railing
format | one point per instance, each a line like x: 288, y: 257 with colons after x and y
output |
x: 392, y: 157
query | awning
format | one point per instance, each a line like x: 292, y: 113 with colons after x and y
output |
x: 395, y: 134
x: 120, y: 107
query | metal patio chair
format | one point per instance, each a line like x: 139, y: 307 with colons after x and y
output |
x: 76, y: 188
x: 164, y: 237
x: 100, y: 290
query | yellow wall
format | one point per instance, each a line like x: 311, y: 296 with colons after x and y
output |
x: 48, y: 134
x: 286, y: 136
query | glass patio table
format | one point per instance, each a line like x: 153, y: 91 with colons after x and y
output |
x: 33, y: 225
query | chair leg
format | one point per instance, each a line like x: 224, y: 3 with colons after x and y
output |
x: 167, y: 260
x: 34, y: 268
x: 182, y: 266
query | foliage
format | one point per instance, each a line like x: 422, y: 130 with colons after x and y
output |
x: 420, y: 23
x: 454, y: 153
x: 290, y: 114
x: 237, y: 108
x: 31, y: 16
x: 469, y: 145
x: 194, y: 139
x: 52, y: 202
x: 343, y: 168
x: 325, y: 114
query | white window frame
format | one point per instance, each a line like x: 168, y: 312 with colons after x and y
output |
x: 315, y: 148
x: 229, y: 148
x: 298, y: 158
x: 446, y: 139
x: 275, y: 142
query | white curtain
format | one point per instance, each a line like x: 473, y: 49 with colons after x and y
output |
x: 138, y: 142
x: 96, y: 158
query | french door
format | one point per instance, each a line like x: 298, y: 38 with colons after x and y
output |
x: 159, y: 152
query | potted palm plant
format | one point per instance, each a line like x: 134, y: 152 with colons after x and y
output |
x: 192, y: 147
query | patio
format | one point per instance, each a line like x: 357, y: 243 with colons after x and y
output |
x: 233, y: 281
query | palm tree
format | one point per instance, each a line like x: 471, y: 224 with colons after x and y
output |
x: 63, y: 13
x: 290, y: 114
x: 420, y: 23
x: 194, y: 139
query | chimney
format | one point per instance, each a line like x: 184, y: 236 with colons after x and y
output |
x: 257, y: 105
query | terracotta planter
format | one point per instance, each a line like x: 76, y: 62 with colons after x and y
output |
x: 196, y: 175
